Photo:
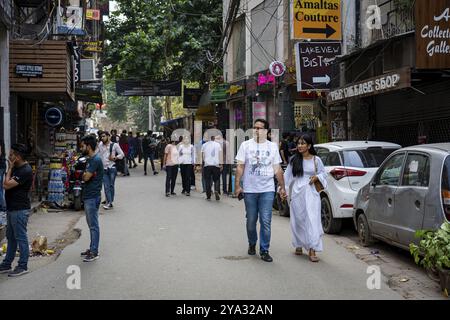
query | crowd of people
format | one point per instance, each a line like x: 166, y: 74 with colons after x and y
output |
x: 259, y: 163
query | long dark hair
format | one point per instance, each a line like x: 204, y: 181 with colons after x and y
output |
x: 297, y: 158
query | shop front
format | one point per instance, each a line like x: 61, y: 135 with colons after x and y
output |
x: 237, y: 105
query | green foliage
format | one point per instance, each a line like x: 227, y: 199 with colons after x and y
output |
x: 434, y: 247
x: 161, y: 40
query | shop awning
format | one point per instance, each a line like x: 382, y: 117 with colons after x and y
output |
x: 206, y: 113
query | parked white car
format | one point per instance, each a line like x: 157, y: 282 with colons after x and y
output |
x: 350, y: 166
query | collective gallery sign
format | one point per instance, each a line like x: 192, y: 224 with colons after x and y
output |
x: 395, y: 80
x: 432, y: 34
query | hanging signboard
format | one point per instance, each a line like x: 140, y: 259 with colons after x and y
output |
x: 148, y: 88
x: 259, y: 110
x: 432, y: 34
x: 316, y: 19
x: 70, y: 20
x: 277, y: 68
x: 313, y: 64
x: 92, y: 14
x: 391, y: 81
x: 191, y: 98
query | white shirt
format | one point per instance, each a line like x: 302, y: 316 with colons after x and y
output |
x: 103, y: 152
x: 259, y: 160
x: 186, y: 154
x: 212, y: 150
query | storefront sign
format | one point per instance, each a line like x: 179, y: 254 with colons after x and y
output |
x: 93, y: 46
x: 191, y: 98
x: 53, y: 117
x: 70, y: 20
x: 432, y: 34
x: 259, y: 110
x: 29, y: 70
x: 92, y: 14
x: 219, y: 94
x: 265, y: 79
x: 234, y: 89
x: 277, y: 68
x: 389, y: 82
x: 316, y: 19
x: 313, y: 64
x: 148, y: 88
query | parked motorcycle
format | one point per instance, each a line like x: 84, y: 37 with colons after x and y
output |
x: 76, y: 183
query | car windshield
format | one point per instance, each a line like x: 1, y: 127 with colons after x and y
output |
x: 366, y: 158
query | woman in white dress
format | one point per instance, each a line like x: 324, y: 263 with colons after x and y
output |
x: 304, y: 169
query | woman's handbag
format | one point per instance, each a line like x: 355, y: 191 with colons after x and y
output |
x: 317, y: 184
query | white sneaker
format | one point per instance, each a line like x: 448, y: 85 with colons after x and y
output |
x: 109, y: 206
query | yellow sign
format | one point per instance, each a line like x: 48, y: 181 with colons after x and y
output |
x: 234, y: 89
x: 316, y: 19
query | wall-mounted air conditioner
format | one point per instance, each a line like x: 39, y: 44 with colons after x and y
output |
x: 87, y: 72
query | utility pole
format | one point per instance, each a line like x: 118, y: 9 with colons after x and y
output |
x: 150, y: 113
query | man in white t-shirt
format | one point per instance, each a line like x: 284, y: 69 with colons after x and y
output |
x: 212, y: 166
x: 258, y: 162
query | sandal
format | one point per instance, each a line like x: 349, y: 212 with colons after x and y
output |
x: 314, y: 258
x: 298, y: 251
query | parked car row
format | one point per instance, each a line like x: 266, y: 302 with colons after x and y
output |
x: 390, y: 192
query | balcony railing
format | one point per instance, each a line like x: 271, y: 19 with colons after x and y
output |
x: 395, y: 21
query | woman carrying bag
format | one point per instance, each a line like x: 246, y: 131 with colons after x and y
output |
x: 304, y: 178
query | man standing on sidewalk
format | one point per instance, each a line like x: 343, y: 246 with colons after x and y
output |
x: 17, y: 185
x: 212, y: 156
x: 259, y: 161
x: 109, y: 152
x: 2, y: 175
x: 92, y: 177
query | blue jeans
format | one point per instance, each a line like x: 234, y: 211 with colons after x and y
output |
x: 2, y: 196
x: 16, y: 233
x: 259, y: 204
x: 109, y: 180
x: 91, y: 209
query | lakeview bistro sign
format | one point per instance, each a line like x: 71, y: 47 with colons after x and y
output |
x: 432, y: 34
x: 391, y: 81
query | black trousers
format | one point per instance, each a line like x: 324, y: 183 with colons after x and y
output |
x: 212, y: 174
x: 186, y: 177
x: 151, y: 156
x: 226, y: 170
x: 171, y: 178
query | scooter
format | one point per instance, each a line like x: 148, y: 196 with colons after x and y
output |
x: 76, y: 182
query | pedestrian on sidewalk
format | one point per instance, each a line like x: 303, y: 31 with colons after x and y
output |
x: 140, y: 152
x: 226, y: 166
x: 123, y: 143
x: 258, y: 163
x: 187, y: 161
x: 162, y: 144
x: 2, y: 175
x: 17, y: 185
x: 304, y: 169
x: 132, y: 145
x: 170, y: 164
x: 93, y: 178
x: 109, y: 152
x: 149, y: 147
x: 212, y: 156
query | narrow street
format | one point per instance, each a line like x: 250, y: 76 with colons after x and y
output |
x: 187, y: 248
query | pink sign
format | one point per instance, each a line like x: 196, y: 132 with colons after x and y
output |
x: 259, y: 110
x: 265, y: 79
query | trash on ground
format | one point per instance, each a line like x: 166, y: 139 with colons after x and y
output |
x: 39, y: 244
x: 404, y: 280
x: 374, y: 252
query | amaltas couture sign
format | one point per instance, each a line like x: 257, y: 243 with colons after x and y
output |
x: 432, y: 34
x: 395, y: 80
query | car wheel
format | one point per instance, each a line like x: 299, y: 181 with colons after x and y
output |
x: 364, y: 234
x: 330, y: 224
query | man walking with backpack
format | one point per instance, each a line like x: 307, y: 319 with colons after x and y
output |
x: 109, y: 152
x: 149, y: 146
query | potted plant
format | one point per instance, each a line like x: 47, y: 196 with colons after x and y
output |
x: 433, y: 253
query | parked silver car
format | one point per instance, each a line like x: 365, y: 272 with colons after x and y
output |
x: 410, y: 191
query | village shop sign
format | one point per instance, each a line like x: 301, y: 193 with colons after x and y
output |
x: 432, y: 34
x: 388, y: 82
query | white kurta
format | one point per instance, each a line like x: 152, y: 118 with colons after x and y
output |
x: 305, y: 206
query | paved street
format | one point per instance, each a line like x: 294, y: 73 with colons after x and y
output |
x: 187, y: 248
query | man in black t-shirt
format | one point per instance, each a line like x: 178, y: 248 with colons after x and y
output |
x: 17, y: 185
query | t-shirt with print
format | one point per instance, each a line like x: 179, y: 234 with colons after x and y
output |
x: 259, y: 159
x: 212, y: 150
x: 18, y: 198
x: 172, y: 155
x: 93, y: 188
